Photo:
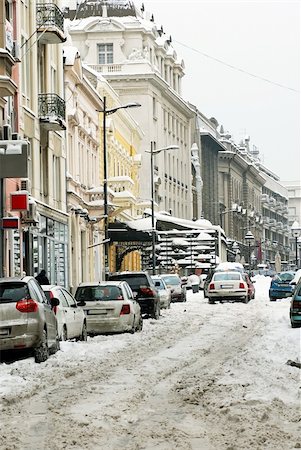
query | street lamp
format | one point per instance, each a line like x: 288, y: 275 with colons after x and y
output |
x: 249, y: 238
x: 295, y: 229
x: 105, y: 113
x: 152, y: 153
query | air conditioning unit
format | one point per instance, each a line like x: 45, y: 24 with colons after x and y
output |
x: 25, y: 184
x: 31, y: 216
x: 16, y: 51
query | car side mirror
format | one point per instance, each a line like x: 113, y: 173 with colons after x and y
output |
x: 81, y: 303
x: 54, y: 302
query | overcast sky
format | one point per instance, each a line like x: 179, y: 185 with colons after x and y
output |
x: 260, y: 37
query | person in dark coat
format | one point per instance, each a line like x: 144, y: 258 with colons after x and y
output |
x: 41, y: 278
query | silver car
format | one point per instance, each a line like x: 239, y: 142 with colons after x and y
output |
x: 71, y: 319
x: 110, y: 307
x: 164, y: 292
x: 26, y: 318
x: 176, y: 286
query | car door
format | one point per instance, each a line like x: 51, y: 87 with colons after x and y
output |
x: 50, y: 319
x: 75, y: 312
x: 64, y: 313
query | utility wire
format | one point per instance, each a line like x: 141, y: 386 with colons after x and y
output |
x: 237, y: 68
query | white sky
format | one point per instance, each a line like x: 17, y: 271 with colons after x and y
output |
x: 261, y: 37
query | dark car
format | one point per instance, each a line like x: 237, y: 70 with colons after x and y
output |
x: 280, y: 285
x: 295, y: 307
x: 27, y: 318
x: 144, y: 290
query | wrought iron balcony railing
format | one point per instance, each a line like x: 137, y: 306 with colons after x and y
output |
x: 50, y: 21
x: 52, y: 111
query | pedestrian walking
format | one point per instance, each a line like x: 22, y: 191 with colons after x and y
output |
x: 41, y: 278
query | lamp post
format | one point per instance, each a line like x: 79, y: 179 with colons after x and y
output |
x: 152, y: 153
x: 249, y: 238
x: 295, y: 229
x: 105, y: 113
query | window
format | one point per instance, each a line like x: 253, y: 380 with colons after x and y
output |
x: 154, y: 108
x: 105, y: 53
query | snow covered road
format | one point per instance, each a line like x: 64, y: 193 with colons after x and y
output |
x: 203, y: 377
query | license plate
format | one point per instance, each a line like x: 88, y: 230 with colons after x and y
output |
x: 226, y: 286
x: 97, y: 312
x: 4, y: 332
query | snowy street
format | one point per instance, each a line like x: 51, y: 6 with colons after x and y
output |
x: 203, y: 377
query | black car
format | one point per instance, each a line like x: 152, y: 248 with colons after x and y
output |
x: 143, y: 289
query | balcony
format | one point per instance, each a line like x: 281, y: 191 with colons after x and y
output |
x: 265, y: 198
x: 50, y: 23
x: 52, y: 110
x: 122, y: 186
x: 279, y: 226
x: 7, y: 86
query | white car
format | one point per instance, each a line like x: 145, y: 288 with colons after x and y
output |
x: 71, y: 320
x: 164, y: 292
x: 110, y: 307
x: 227, y: 285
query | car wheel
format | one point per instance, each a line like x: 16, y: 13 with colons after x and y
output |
x: 84, y: 336
x: 41, y: 352
x: 245, y: 299
x: 211, y: 302
x: 272, y: 299
x: 64, y: 335
x: 295, y: 325
x: 140, y: 324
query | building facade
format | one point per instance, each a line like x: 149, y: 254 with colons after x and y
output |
x: 140, y: 63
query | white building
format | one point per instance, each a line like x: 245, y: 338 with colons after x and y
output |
x: 139, y: 61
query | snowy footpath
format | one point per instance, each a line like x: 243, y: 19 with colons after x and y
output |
x: 203, y: 377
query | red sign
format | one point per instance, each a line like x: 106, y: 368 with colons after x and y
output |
x: 19, y: 201
x: 10, y: 222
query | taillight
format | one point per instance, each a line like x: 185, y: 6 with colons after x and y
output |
x: 211, y: 286
x: 241, y: 286
x: 296, y: 305
x: 125, y: 310
x: 27, y: 305
x: 147, y: 291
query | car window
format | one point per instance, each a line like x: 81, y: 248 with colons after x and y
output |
x: 129, y: 291
x: 13, y: 292
x: 36, y: 292
x: 135, y: 281
x: 286, y: 276
x: 98, y: 293
x: 222, y: 276
x: 69, y: 298
x: 174, y: 281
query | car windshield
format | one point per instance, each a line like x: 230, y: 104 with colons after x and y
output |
x: 174, y: 281
x: 98, y: 293
x: 285, y: 276
x: 13, y: 292
x: 158, y: 283
x: 226, y: 276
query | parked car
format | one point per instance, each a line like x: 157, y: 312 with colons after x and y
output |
x: 280, y: 286
x: 27, y: 319
x: 295, y: 307
x: 164, y: 292
x: 110, y: 307
x: 176, y: 286
x: 143, y: 289
x: 228, y: 285
x: 71, y: 320
x: 251, y: 287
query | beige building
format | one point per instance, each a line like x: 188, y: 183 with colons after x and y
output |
x: 37, y: 114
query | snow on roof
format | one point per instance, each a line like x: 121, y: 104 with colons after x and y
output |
x: 180, y: 241
x: 144, y: 224
x: 71, y: 53
x: 124, y: 194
